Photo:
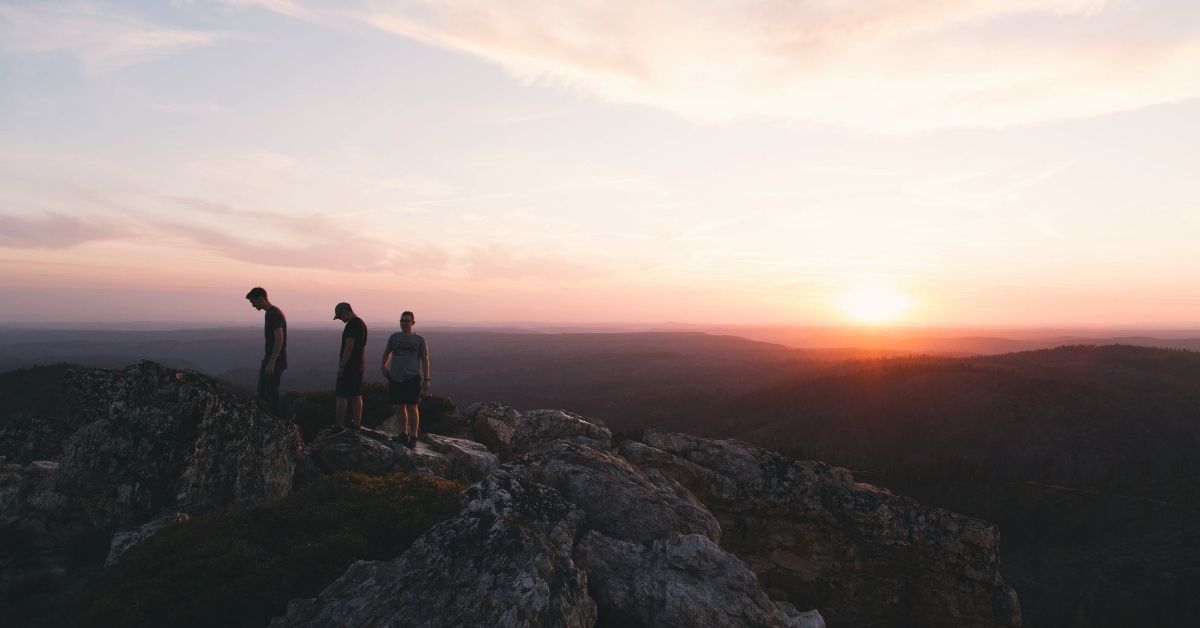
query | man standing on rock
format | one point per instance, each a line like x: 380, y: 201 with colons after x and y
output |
x: 275, y: 361
x: 348, y: 390
x: 406, y: 367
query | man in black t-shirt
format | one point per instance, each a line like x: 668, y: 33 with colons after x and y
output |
x: 275, y: 358
x: 348, y: 390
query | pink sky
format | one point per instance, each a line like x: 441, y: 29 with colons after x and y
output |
x: 1027, y: 162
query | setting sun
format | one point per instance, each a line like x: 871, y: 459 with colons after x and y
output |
x: 874, y: 301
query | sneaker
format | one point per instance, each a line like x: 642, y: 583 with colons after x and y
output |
x: 335, y: 430
x: 411, y: 442
x: 400, y: 438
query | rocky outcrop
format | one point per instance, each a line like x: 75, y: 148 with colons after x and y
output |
x: 620, y: 501
x: 159, y: 439
x: 504, y: 561
x: 678, y: 580
x: 351, y: 451
x: 146, y: 440
x: 510, y: 433
x: 674, y: 531
x: 373, y: 453
x: 126, y: 540
x: 513, y: 553
x: 467, y: 461
x: 42, y: 534
x: 865, y: 557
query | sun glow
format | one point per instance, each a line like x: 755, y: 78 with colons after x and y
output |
x: 874, y: 301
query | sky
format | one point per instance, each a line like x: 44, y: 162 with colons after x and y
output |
x: 875, y: 162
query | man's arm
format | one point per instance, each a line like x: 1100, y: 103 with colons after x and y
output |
x: 347, y: 350
x: 426, y: 374
x: 276, y: 347
x: 387, y: 359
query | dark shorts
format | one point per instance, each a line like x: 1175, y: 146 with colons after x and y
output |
x: 407, y: 392
x: 349, y: 384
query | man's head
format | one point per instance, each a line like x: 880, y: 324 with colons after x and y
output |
x: 343, y: 312
x: 258, y: 298
x: 406, y: 321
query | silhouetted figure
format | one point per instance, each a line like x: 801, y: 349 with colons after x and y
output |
x: 348, y: 391
x: 406, y: 367
x: 275, y: 360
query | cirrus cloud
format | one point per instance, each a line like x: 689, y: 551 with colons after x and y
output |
x: 884, y: 65
x: 105, y: 38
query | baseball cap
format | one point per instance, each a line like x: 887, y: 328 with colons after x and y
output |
x: 339, y: 308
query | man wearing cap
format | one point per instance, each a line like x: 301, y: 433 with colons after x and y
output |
x: 348, y: 391
x: 406, y: 367
x: 275, y: 361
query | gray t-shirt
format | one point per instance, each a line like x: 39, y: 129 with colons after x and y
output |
x: 407, y: 352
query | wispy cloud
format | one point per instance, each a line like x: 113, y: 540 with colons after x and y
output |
x: 57, y: 231
x: 305, y: 241
x: 892, y: 65
x: 198, y: 108
x: 497, y: 262
x: 104, y: 37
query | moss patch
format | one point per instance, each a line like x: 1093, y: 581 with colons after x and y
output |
x: 240, y: 568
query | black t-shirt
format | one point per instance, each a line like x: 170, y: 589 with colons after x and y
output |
x: 356, y: 329
x: 273, y: 320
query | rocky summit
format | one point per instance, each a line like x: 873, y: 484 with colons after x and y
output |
x: 559, y: 526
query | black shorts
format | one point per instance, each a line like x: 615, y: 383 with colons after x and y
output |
x: 406, y: 392
x: 349, y: 384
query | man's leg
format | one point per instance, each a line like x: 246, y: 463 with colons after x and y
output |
x: 401, y: 418
x: 268, y: 389
x: 339, y: 419
x: 414, y: 414
x: 356, y: 406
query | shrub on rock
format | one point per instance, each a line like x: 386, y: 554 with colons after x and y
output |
x: 240, y: 568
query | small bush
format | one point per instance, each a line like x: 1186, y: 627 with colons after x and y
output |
x: 240, y: 568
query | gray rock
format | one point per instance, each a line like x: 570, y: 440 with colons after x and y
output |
x: 679, y: 580
x: 620, y: 501
x: 492, y: 424
x: 28, y: 497
x: 41, y: 530
x: 469, y: 461
x: 157, y: 439
x: 865, y: 557
x: 421, y: 460
x: 510, y: 433
x: 127, y: 539
x: 28, y: 436
x: 504, y: 561
x: 351, y: 451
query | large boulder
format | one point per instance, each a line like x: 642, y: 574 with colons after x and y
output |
x: 678, y: 580
x: 814, y: 537
x: 510, y: 433
x: 467, y: 461
x: 504, y: 561
x: 127, y: 539
x: 156, y: 439
x: 619, y: 500
x: 351, y: 451
x: 43, y: 542
x: 373, y: 452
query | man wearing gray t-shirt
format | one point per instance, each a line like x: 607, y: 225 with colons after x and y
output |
x: 406, y: 367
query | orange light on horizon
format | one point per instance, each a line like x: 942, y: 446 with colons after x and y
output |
x: 874, y: 301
